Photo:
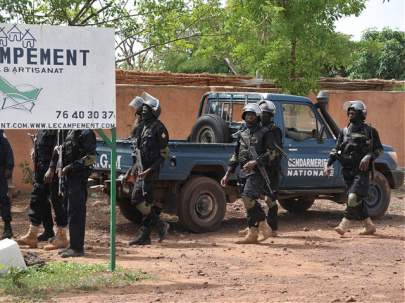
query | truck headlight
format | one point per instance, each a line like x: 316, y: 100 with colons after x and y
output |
x: 394, y: 156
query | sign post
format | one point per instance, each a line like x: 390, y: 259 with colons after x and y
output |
x: 113, y: 193
x: 60, y: 77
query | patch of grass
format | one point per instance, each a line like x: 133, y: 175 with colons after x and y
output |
x: 40, y: 282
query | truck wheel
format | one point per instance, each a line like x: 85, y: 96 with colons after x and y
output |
x: 129, y: 211
x: 202, y: 205
x: 210, y: 129
x: 379, y: 195
x: 296, y: 205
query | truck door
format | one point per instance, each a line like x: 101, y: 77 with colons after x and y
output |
x: 307, y: 148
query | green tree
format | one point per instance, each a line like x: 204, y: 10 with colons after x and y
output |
x: 292, y: 43
x: 143, y: 27
x: 380, y: 54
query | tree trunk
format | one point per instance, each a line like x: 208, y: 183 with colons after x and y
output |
x: 293, y: 58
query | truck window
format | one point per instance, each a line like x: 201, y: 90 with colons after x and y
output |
x: 225, y: 109
x: 213, y: 107
x: 299, y: 122
x: 237, y: 111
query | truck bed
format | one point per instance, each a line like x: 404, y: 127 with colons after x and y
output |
x: 183, y: 157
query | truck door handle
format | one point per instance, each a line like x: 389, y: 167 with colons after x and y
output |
x: 293, y: 149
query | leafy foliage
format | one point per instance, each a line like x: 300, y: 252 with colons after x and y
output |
x: 143, y: 28
x: 292, y: 43
x: 380, y: 54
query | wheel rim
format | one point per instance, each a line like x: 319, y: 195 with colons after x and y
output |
x: 374, y: 196
x: 206, y: 135
x: 205, y: 206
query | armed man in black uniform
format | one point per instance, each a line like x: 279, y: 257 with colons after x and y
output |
x: 357, y: 147
x: 78, y: 158
x: 6, y: 171
x: 129, y: 178
x: 40, y: 209
x: 150, y: 152
x: 267, y: 119
x: 268, y: 110
x: 261, y: 139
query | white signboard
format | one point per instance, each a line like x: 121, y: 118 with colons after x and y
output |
x: 56, y: 77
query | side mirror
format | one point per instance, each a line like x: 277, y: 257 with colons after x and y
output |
x: 323, y: 97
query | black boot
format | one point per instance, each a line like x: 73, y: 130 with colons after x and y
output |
x: 8, y: 232
x: 46, y: 235
x: 143, y: 238
x: 72, y: 253
x: 47, y: 223
x: 272, y: 218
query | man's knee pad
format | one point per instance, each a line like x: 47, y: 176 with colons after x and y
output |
x: 255, y: 214
x: 352, y: 200
x: 248, y: 202
x: 144, y: 207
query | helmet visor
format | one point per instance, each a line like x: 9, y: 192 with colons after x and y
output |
x: 356, y: 105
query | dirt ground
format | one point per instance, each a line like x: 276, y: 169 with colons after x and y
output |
x: 308, y: 262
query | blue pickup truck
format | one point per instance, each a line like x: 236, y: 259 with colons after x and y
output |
x: 189, y: 180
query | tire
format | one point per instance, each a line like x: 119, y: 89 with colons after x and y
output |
x: 210, y: 129
x: 379, y: 196
x: 297, y: 205
x: 129, y: 211
x: 202, y: 205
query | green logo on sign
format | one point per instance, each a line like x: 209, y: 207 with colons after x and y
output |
x: 18, y: 98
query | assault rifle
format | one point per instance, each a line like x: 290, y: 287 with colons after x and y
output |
x: 59, y: 165
x: 138, y: 168
x: 261, y: 169
x: 282, y: 152
x: 33, y: 156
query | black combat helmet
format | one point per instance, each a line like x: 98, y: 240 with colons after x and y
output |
x: 251, y: 108
x: 358, y: 106
x: 153, y: 103
x: 267, y: 106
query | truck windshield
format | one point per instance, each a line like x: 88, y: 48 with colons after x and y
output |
x: 299, y: 122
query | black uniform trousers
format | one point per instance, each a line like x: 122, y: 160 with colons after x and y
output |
x: 274, y: 176
x: 144, y: 192
x: 357, y: 182
x: 5, y: 204
x: 75, y: 193
x: 40, y: 208
x: 253, y: 188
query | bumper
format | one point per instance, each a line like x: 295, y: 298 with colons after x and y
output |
x: 397, y: 177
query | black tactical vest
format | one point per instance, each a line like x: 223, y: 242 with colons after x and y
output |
x: 248, y: 138
x: 356, y: 144
x: 45, y: 142
x: 71, y: 148
x: 147, y: 142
